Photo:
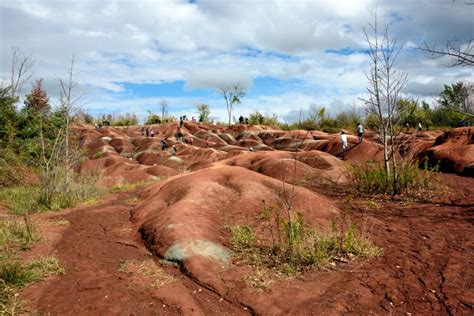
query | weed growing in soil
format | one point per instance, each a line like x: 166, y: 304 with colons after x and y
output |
x: 295, y: 246
x: 146, y: 273
x: 371, y: 178
x: 14, y: 275
x: 15, y: 234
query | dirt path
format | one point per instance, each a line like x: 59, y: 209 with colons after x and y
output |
x: 109, y: 271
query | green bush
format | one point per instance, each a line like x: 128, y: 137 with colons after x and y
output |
x: 152, y: 119
x: 295, y: 246
x: 263, y: 119
x: 243, y: 237
x: 371, y: 178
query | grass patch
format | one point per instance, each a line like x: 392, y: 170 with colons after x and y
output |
x: 371, y: 178
x: 16, y: 235
x: 20, y: 199
x: 260, y: 278
x: 295, y: 247
x: 131, y: 186
x: 14, y: 275
x: 146, y: 273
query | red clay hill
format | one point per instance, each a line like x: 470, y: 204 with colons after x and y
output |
x: 222, y: 176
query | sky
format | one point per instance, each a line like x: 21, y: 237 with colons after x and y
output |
x: 288, y: 55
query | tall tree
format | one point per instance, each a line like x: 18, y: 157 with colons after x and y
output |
x: 164, y: 105
x: 8, y: 117
x: 385, y: 84
x: 232, y: 95
x: 37, y: 100
x: 20, y: 72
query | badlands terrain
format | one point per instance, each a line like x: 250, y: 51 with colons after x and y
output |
x: 164, y: 248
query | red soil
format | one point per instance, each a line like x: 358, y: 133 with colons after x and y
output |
x: 453, y: 151
x: 425, y: 267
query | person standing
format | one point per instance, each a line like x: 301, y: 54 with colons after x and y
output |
x: 164, y: 144
x: 360, y: 132
x: 344, y: 140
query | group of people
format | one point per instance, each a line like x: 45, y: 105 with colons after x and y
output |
x: 360, y: 135
x: 243, y: 120
x: 164, y: 146
x: 148, y: 132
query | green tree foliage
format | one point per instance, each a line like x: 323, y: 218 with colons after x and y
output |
x: 263, y: 119
x: 203, y: 112
x: 442, y: 116
x: 412, y: 113
x: 127, y: 119
x: 37, y: 100
x: 152, y: 118
x: 458, y: 98
x: 8, y: 116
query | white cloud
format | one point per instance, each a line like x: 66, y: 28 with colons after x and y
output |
x: 213, y: 42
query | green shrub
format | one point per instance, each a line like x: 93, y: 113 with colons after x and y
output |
x: 152, y: 119
x: 371, y: 178
x: 243, y: 237
x: 295, y: 246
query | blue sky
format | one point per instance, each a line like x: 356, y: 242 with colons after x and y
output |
x: 287, y: 54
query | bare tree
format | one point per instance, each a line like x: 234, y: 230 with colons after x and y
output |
x: 385, y: 84
x: 68, y: 104
x: 461, y: 55
x: 164, y: 105
x: 21, y: 71
x: 232, y: 95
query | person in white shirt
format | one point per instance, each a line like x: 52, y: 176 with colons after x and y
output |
x: 344, y: 140
x: 360, y: 132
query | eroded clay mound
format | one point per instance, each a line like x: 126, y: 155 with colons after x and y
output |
x: 113, y: 169
x: 453, y: 151
x: 183, y: 219
x: 309, y: 166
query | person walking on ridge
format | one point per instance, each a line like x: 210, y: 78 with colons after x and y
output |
x: 344, y: 140
x: 360, y: 132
